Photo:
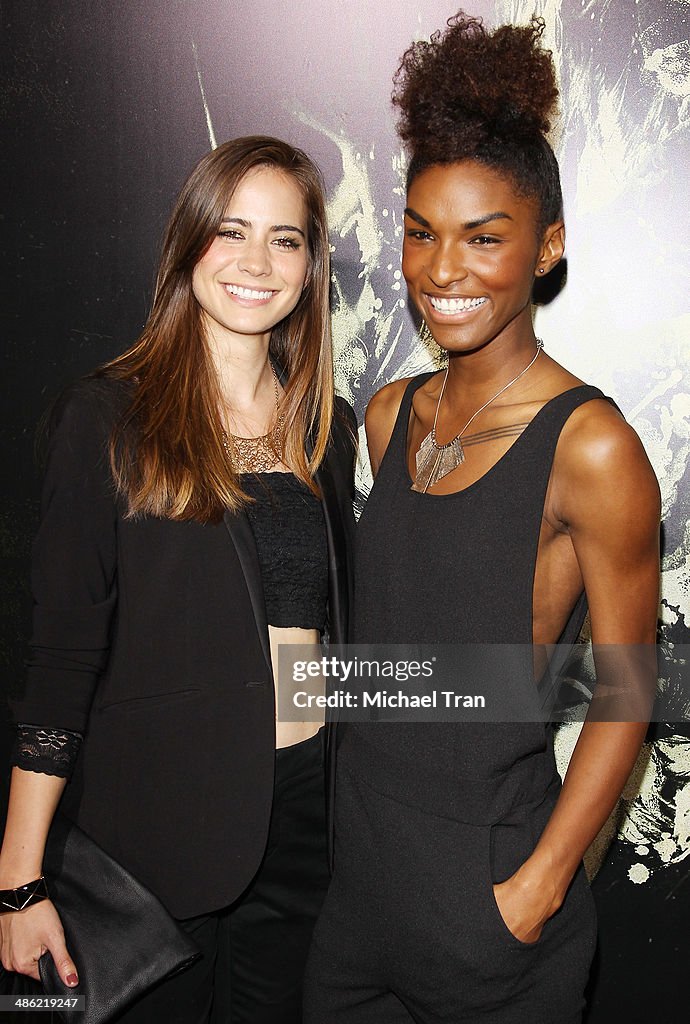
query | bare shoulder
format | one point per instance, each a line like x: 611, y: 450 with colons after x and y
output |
x: 387, y: 401
x: 600, y: 458
x: 606, y: 497
x: 596, y: 438
x: 380, y: 417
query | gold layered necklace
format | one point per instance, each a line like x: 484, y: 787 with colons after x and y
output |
x: 257, y: 454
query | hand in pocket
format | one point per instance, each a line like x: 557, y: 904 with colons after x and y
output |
x: 522, y: 915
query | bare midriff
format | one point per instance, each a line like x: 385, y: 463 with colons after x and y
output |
x: 289, y: 733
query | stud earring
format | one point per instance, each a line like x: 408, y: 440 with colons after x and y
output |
x: 541, y: 270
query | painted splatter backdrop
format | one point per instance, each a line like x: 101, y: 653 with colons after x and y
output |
x: 104, y: 109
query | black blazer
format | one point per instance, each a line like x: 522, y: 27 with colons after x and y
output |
x: 150, y: 636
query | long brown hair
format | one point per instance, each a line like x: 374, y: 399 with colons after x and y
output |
x: 167, y: 453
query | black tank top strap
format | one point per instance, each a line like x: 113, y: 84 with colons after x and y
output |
x: 541, y: 435
x: 556, y: 414
x: 396, y: 453
x: 557, y: 410
x: 552, y: 416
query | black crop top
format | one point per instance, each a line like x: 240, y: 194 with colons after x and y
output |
x: 290, y: 533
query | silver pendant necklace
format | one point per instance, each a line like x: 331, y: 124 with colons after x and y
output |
x: 434, y: 461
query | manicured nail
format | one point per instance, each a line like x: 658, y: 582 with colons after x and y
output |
x: 72, y: 979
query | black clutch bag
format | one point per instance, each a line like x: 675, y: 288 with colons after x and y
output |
x: 119, y: 935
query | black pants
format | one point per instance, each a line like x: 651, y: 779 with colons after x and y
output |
x: 410, y: 932
x: 254, y: 951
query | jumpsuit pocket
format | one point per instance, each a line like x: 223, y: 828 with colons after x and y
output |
x: 507, y: 846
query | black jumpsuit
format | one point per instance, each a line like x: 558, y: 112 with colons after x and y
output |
x: 429, y: 815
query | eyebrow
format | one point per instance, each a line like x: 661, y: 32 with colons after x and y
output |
x: 275, y: 227
x: 470, y: 225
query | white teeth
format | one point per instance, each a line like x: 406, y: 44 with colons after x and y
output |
x: 246, y: 293
x: 450, y: 306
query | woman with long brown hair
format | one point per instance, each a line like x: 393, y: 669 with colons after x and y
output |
x: 196, y: 514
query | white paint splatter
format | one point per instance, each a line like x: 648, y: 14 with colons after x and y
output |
x: 656, y: 801
x: 670, y: 65
x: 207, y: 112
x: 638, y: 873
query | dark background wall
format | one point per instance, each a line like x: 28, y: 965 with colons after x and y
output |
x: 105, y: 107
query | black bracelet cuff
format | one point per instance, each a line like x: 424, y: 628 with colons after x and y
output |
x: 24, y: 895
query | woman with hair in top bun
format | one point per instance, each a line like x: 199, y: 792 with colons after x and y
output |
x: 196, y: 514
x: 507, y: 494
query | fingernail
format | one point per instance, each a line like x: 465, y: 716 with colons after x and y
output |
x: 72, y: 979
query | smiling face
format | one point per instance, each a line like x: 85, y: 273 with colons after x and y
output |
x: 470, y: 254
x: 252, y: 275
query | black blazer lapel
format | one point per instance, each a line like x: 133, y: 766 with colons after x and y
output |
x: 337, y: 555
x: 331, y: 477
x: 243, y: 538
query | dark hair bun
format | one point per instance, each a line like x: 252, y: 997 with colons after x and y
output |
x: 470, y: 84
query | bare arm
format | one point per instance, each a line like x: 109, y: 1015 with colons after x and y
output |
x: 608, y: 499
x: 27, y: 934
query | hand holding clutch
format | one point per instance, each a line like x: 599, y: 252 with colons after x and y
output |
x: 122, y: 938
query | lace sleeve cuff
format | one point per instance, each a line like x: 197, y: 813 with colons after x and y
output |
x: 38, y: 748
